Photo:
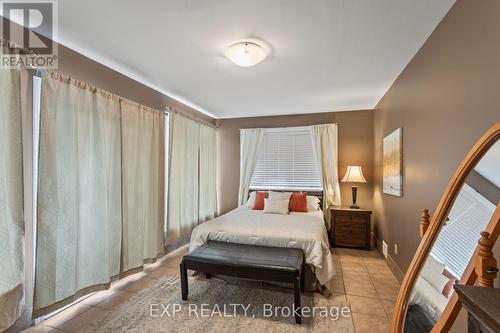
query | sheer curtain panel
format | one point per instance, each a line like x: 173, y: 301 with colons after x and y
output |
x: 325, y: 144
x: 11, y: 197
x: 250, y: 140
x: 79, y: 193
x: 183, y: 196
x: 143, y: 184
x: 208, y: 173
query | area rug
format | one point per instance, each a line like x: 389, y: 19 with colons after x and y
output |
x: 218, y: 306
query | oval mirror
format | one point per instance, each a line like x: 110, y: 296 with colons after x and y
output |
x: 426, y: 301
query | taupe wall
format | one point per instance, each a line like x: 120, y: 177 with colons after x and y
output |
x: 355, y: 147
x: 445, y: 99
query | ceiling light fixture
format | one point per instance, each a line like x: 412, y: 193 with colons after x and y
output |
x: 246, y: 53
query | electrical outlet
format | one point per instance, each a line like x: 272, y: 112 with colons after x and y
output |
x: 396, y: 249
x: 384, y: 248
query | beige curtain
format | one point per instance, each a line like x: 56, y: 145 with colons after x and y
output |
x: 183, y: 199
x: 142, y: 172
x: 208, y: 173
x: 11, y: 197
x: 192, y: 197
x: 325, y: 144
x: 250, y: 141
x: 79, y: 193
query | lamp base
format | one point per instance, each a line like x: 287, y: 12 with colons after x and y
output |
x: 354, y: 195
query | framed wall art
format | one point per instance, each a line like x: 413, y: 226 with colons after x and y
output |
x: 393, y: 163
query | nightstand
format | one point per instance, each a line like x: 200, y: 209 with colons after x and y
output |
x: 351, y: 227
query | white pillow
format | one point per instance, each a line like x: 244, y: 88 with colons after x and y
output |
x: 429, y: 299
x: 251, y: 200
x: 312, y: 203
x: 275, y: 206
x: 432, y: 272
x: 279, y: 195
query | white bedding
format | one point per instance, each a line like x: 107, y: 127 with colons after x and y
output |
x: 242, y: 225
x: 430, y: 300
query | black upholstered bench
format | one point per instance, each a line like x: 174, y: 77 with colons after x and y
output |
x: 261, y: 263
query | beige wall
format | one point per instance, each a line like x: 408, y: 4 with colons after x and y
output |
x: 355, y: 147
x: 444, y: 100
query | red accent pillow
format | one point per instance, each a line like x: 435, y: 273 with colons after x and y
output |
x: 448, y: 286
x: 298, y: 202
x: 258, y: 204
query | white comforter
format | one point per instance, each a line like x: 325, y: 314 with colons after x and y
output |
x: 243, y: 225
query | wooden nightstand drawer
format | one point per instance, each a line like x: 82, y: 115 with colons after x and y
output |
x: 351, y: 227
x: 350, y: 223
x: 351, y: 219
x: 352, y: 231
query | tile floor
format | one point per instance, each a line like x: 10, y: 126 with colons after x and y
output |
x: 363, y: 279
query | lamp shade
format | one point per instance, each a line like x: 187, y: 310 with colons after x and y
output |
x: 354, y: 175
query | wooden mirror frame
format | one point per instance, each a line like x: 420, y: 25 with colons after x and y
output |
x: 453, y: 307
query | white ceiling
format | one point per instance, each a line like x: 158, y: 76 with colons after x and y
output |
x: 328, y: 55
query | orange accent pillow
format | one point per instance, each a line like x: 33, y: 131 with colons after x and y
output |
x: 298, y: 202
x: 258, y: 204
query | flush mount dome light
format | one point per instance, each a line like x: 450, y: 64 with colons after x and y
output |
x: 246, y: 53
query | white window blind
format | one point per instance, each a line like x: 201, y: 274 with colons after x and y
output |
x: 457, y: 241
x: 286, y: 161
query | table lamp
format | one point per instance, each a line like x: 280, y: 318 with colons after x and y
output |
x: 354, y: 175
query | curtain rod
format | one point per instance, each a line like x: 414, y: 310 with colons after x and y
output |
x: 55, y: 75
x: 38, y: 73
x: 12, y: 45
x: 334, y: 123
x: 168, y: 108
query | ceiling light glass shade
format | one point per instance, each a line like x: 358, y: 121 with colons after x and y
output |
x: 354, y: 175
x: 246, y: 54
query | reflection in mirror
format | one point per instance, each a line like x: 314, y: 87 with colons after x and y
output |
x: 455, y: 245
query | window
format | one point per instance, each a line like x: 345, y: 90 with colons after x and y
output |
x: 469, y: 216
x: 286, y: 161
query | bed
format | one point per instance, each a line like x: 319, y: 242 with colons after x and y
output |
x: 306, y: 231
x: 429, y: 296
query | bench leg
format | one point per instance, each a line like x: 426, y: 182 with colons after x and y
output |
x: 184, y: 282
x: 208, y: 275
x: 296, y: 299
x: 302, y: 277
